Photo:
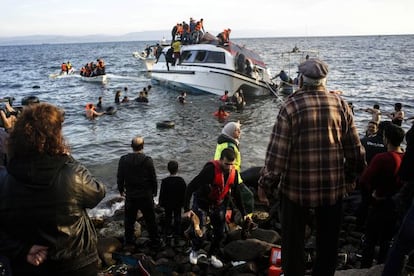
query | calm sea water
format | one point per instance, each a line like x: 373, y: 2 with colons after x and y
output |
x: 374, y: 69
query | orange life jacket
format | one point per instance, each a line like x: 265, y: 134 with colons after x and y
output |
x: 64, y: 67
x: 219, y: 189
x: 180, y: 29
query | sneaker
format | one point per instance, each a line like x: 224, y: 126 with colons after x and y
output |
x: 193, y: 257
x: 216, y: 262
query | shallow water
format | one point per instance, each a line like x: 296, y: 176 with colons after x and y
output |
x: 374, y: 69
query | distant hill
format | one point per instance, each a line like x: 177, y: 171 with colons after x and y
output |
x: 60, y: 39
x: 134, y: 36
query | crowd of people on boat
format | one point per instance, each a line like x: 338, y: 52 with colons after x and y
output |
x: 93, y: 69
x: 193, y: 32
x: 188, y: 33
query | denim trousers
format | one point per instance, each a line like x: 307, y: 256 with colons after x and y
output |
x: 217, y: 222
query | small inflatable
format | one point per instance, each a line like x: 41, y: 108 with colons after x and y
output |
x: 111, y: 110
x: 30, y: 100
x: 165, y: 124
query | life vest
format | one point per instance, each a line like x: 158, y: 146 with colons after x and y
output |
x: 64, y: 67
x: 237, y: 160
x: 180, y: 29
x: 219, y: 189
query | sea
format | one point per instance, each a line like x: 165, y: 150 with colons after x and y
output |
x: 367, y: 69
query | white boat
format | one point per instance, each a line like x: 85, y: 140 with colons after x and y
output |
x: 287, y: 82
x: 62, y: 74
x: 212, y: 68
x: 98, y: 79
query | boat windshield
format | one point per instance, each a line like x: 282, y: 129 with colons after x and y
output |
x: 203, y: 56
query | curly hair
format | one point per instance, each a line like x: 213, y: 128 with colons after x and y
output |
x: 38, y: 130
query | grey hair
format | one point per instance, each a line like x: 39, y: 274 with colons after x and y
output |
x: 313, y: 82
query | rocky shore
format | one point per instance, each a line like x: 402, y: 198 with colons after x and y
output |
x: 244, y: 251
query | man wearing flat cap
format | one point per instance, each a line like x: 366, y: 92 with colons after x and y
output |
x: 137, y: 181
x: 313, y: 157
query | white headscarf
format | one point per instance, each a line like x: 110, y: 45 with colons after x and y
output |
x: 229, y: 129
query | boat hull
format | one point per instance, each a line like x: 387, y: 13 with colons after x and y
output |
x: 62, y: 74
x: 198, y: 79
x: 97, y: 79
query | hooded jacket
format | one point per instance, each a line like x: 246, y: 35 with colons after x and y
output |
x: 43, y: 201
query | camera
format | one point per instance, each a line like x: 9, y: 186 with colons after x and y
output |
x: 3, y: 108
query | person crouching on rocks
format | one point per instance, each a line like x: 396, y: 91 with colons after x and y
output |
x: 212, y: 189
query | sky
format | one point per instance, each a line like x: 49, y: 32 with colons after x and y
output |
x: 274, y: 18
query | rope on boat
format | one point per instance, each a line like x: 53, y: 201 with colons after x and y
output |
x: 274, y: 92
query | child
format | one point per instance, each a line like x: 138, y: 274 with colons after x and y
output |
x: 172, y: 198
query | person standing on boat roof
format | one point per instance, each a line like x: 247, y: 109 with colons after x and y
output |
x: 174, y: 32
x: 224, y: 37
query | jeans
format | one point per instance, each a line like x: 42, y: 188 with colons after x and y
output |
x: 217, y: 221
x: 403, y: 245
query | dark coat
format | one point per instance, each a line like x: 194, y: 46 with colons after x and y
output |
x: 136, y: 176
x: 172, y: 192
x: 43, y: 201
